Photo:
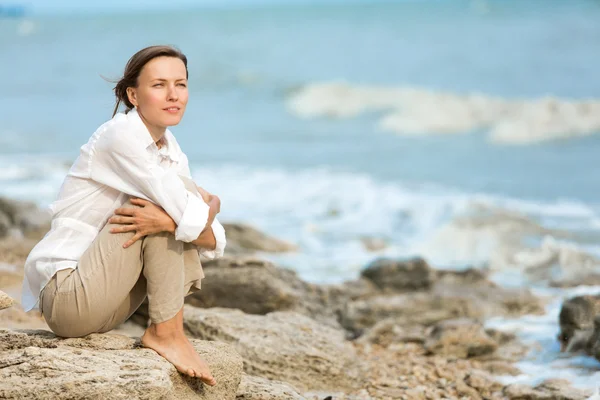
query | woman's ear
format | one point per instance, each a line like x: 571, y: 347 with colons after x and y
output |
x: 132, y: 95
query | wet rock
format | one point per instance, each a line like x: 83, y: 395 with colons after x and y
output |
x: 38, y: 365
x: 462, y: 338
x: 400, y: 275
x: 245, y: 238
x: 548, y: 390
x: 284, y: 346
x: 5, y: 301
x: 257, y: 388
x: 594, y: 339
x: 576, y: 320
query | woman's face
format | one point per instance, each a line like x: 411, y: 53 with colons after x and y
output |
x: 162, y: 93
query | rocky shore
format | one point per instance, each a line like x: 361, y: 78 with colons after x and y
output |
x: 402, y: 330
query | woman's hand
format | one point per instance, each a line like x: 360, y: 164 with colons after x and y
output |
x: 205, y: 195
x: 147, y: 220
x: 214, y: 203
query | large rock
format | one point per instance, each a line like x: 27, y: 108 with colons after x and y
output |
x: 413, y: 292
x: 576, y: 320
x: 244, y: 238
x: 440, y: 303
x: 400, y: 275
x: 409, y: 309
x: 25, y: 216
x: 547, y: 390
x: 38, y: 365
x: 284, y: 346
x: 5, y: 301
x: 256, y: 286
x: 460, y: 338
x: 257, y: 388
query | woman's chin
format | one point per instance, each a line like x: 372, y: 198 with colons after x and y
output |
x: 172, y: 120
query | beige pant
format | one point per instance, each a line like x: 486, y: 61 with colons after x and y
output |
x: 111, y: 282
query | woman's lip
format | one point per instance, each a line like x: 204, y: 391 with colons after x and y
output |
x: 171, y: 109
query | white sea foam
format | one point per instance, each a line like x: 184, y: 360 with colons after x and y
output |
x: 412, y: 111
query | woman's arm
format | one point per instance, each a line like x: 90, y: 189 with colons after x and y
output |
x: 150, y: 218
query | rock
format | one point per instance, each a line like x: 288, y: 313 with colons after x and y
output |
x: 592, y: 279
x: 460, y: 338
x: 38, y: 365
x: 548, y: 390
x: 594, y: 340
x: 257, y: 388
x: 257, y: 286
x: 15, y: 250
x: 252, y: 285
x: 492, y: 299
x: 360, y: 395
x: 5, y: 301
x: 483, y: 382
x: 399, y: 275
x: 391, y: 330
x: 500, y: 368
x: 409, y: 309
x: 284, y: 346
x: 249, y: 238
x: 26, y: 216
x: 469, y: 276
x: 576, y: 320
x: 5, y: 224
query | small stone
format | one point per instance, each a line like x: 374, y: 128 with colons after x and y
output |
x: 5, y: 301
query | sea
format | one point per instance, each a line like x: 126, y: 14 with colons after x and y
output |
x: 337, y: 179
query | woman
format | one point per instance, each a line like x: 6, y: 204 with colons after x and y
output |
x: 129, y: 222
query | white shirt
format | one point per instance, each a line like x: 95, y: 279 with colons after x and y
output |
x: 120, y: 160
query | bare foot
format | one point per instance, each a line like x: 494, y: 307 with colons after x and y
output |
x: 177, y: 349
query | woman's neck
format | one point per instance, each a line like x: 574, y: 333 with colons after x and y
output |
x: 157, y: 132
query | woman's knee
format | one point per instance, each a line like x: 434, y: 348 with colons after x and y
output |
x: 164, y: 240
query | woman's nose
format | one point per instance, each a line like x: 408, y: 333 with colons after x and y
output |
x: 172, y: 93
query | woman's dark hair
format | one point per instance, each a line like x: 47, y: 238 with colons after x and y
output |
x: 134, y: 68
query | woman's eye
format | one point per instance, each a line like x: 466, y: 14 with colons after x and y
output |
x: 157, y: 85
x: 182, y: 85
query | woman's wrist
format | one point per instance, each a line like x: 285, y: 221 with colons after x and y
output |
x: 170, y: 226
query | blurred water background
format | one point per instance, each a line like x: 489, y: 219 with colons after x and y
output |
x: 333, y: 182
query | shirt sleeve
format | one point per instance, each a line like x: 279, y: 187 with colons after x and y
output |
x: 121, y: 163
x: 217, y: 228
x: 221, y: 240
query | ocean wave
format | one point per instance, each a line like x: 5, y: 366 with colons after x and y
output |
x: 413, y: 111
